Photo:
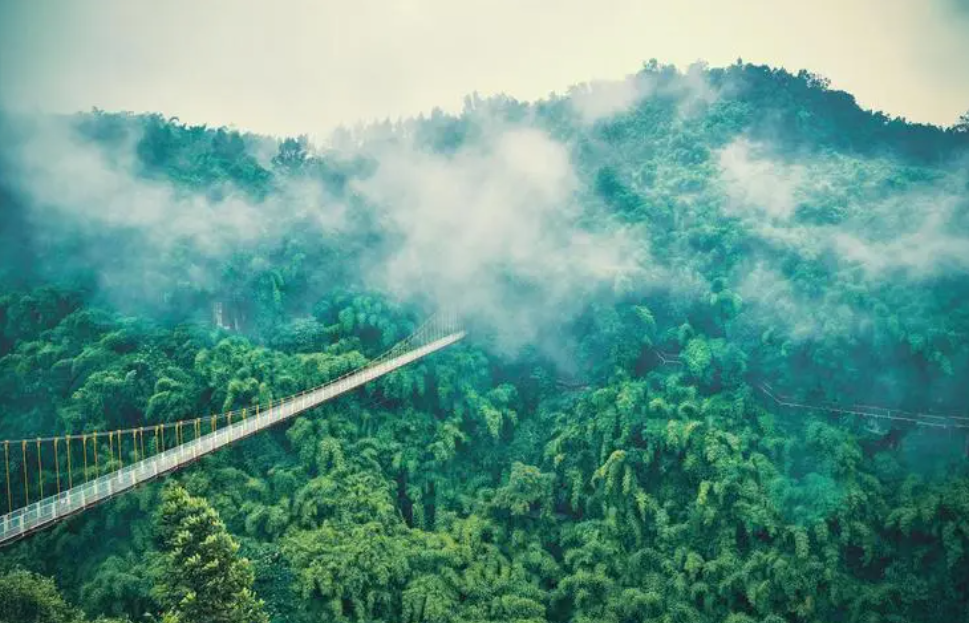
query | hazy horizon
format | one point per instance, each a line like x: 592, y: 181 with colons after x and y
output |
x: 298, y: 67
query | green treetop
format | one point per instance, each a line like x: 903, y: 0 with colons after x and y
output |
x: 205, y: 581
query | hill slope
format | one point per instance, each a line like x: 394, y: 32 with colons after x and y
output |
x: 758, y: 225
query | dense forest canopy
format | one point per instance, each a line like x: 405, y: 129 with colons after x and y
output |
x: 633, y: 261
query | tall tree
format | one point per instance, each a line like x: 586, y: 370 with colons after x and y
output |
x: 205, y: 581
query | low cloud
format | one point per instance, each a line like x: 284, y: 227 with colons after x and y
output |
x: 143, y: 236
x: 870, y: 216
x: 603, y: 99
x: 774, y: 301
x: 812, y: 220
x: 756, y: 184
x: 495, y: 232
x: 930, y: 251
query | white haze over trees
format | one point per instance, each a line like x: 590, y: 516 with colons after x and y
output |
x: 769, y: 190
x: 500, y: 213
x: 858, y: 234
x: 462, y: 230
x: 504, y: 229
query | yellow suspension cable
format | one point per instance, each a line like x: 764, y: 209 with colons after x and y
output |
x: 84, y: 443
x: 23, y: 446
x: 57, y: 465
x: 6, y: 460
x: 138, y: 443
x: 70, y: 474
x: 40, y: 470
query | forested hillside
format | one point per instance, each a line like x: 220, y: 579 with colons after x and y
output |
x: 633, y: 261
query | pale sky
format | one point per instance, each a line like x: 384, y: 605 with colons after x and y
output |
x: 286, y: 67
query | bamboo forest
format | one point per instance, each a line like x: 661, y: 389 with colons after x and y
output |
x: 709, y: 361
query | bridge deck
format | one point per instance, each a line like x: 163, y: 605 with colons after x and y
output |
x: 54, y: 508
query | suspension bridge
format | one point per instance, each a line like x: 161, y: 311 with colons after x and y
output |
x: 107, y: 464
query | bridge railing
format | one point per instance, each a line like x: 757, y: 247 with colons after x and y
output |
x: 52, y: 508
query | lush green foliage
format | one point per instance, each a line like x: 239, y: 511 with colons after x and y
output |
x: 203, y: 580
x: 29, y: 598
x: 477, y: 487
